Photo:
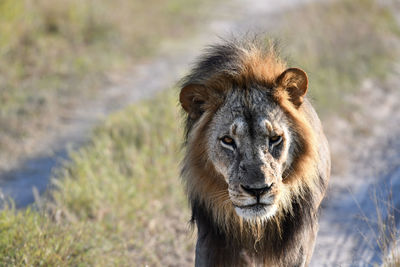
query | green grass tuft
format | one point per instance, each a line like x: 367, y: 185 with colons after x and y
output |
x: 30, y: 238
x: 120, y: 197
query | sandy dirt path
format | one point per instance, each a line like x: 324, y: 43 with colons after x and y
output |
x: 370, y: 147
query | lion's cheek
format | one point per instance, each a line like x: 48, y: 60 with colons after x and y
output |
x: 221, y: 169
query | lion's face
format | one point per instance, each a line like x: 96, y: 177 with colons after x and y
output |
x: 248, y: 143
x: 251, y: 138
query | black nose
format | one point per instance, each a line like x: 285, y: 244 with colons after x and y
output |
x: 257, y: 192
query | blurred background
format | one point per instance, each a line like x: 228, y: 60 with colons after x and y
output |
x: 90, y: 129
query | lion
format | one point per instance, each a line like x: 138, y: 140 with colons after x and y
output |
x: 257, y: 163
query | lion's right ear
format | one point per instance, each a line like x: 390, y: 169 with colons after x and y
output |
x: 193, y: 98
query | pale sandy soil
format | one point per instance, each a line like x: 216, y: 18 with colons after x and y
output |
x: 366, y: 151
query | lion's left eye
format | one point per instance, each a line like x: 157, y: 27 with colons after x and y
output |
x: 275, y: 140
x: 228, y: 142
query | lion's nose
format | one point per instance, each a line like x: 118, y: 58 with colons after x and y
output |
x: 257, y: 192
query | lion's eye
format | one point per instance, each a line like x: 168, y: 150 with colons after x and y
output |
x: 275, y: 140
x: 228, y: 141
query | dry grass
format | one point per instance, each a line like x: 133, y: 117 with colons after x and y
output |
x: 30, y: 238
x: 127, y: 184
x: 388, y: 235
x: 340, y: 44
x: 119, y: 201
x: 57, y: 54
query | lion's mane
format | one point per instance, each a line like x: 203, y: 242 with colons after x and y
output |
x: 275, y: 241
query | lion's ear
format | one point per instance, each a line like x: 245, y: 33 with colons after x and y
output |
x: 295, y: 82
x: 193, y: 98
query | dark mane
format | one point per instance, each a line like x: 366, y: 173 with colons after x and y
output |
x: 228, y: 247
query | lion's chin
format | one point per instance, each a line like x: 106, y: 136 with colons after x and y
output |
x: 256, y: 212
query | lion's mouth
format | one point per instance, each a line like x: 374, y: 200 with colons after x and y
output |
x: 252, y: 206
x: 256, y: 210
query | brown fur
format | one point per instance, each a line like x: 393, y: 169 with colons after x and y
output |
x: 264, y: 242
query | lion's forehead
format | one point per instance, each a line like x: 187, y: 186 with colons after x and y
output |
x: 247, y: 113
x: 255, y: 98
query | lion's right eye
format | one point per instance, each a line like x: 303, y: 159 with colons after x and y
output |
x: 275, y: 140
x: 227, y: 141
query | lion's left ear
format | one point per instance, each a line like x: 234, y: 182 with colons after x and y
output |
x: 295, y: 82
